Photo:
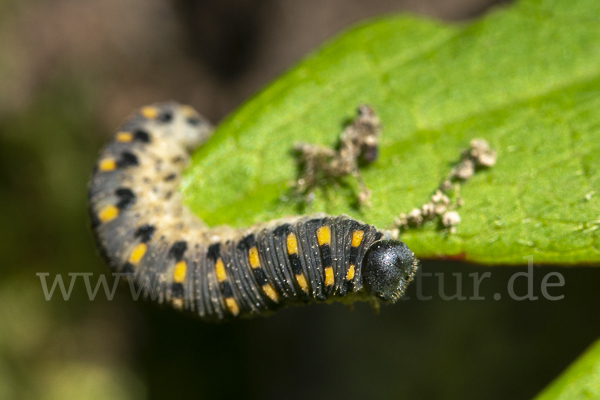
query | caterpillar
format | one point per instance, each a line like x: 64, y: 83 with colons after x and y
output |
x: 144, y: 231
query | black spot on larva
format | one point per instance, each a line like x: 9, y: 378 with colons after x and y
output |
x: 193, y: 121
x: 127, y: 268
x: 170, y: 177
x: 168, y: 195
x: 260, y: 276
x: 126, y: 198
x: 142, y: 136
x: 295, y: 262
x: 247, y: 243
x: 145, y: 232
x: 316, y: 221
x: 355, y: 226
x: 353, y: 259
x: 127, y: 160
x: 226, y: 289
x: 176, y: 160
x: 326, y: 255
x: 177, y: 290
x: 282, y: 230
x: 178, y: 249
x: 164, y: 117
x: 214, y: 251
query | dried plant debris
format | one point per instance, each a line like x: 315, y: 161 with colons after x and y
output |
x: 357, y: 147
x: 479, y: 154
x: 444, y: 203
x: 321, y: 165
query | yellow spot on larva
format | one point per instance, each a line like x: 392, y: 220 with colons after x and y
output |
x: 137, y: 253
x: 329, y: 276
x: 302, y: 282
x: 269, y: 291
x: 292, y: 244
x: 179, y: 272
x: 107, y: 164
x: 220, y: 270
x: 232, y: 306
x: 357, y: 237
x: 108, y: 213
x: 149, y: 112
x: 350, y: 273
x: 323, y: 235
x: 253, y: 257
x: 124, y: 137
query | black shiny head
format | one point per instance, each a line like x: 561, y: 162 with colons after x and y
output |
x: 388, y: 268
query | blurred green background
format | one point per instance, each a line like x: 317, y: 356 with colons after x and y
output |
x: 71, y: 71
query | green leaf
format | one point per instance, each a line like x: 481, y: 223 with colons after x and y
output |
x: 580, y: 381
x: 525, y: 78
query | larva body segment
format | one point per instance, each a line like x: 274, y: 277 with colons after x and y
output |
x: 144, y: 230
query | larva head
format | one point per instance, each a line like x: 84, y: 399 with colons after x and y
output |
x: 388, y: 267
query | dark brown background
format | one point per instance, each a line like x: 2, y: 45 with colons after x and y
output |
x: 71, y: 71
x: 213, y: 54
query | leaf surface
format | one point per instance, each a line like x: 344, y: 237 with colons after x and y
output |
x: 525, y: 78
x: 580, y: 381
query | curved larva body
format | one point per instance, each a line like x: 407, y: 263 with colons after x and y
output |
x: 143, y: 229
